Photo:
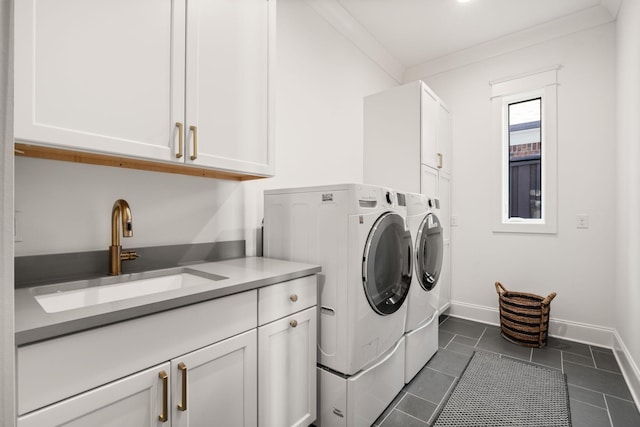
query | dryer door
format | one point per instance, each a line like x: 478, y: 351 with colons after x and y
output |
x: 386, y: 266
x: 429, y: 248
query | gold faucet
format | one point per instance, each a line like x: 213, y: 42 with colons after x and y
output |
x: 116, y: 254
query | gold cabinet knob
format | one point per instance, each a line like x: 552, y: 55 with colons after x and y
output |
x: 293, y: 298
x: 293, y: 323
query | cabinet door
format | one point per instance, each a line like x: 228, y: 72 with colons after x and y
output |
x: 217, y: 385
x: 229, y: 100
x: 429, y: 126
x: 445, y: 277
x: 444, y: 139
x: 136, y: 400
x: 287, y: 370
x: 429, y: 181
x: 444, y: 194
x: 99, y: 76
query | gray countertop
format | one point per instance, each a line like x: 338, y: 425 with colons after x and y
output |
x: 33, y: 323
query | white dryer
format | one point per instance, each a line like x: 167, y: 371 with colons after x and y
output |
x: 359, y: 236
x: 421, y: 329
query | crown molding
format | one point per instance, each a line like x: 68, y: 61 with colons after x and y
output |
x: 613, y: 6
x: 345, y: 24
x: 561, y: 27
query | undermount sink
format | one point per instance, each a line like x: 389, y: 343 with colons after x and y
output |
x: 62, y: 300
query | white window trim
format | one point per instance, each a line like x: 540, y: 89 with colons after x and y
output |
x: 541, y: 84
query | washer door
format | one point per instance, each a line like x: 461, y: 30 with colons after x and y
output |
x: 429, y: 252
x: 386, y: 265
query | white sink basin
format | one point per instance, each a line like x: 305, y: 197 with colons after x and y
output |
x: 86, y: 297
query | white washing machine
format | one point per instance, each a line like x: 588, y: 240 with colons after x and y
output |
x: 358, y: 234
x: 421, y: 329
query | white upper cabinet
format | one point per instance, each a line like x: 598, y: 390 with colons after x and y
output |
x: 143, y: 79
x: 99, y: 76
x: 436, y: 131
x: 406, y: 128
x: 429, y: 127
x: 443, y: 155
x: 227, y: 85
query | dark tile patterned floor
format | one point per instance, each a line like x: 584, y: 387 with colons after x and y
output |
x: 598, y: 394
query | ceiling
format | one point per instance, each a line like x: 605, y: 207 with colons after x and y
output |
x: 415, y: 32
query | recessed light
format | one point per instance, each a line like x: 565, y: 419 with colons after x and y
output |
x: 464, y: 1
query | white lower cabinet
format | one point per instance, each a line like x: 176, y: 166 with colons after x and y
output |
x: 217, y: 385
x: 132, y: 401
x: 213, y: 385
x: 287, y: 370
x: 199, y: 365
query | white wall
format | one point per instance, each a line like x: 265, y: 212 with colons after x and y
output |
x: 66, y: 207
x: 627, y: 307
x: 321, y: 80
x: 577, y: 264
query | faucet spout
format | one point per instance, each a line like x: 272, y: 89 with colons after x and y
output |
x: 122, y: 212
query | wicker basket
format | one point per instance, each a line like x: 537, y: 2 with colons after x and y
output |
x: 524, y: 318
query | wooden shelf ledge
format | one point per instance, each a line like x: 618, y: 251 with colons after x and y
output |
x: 41, y: 152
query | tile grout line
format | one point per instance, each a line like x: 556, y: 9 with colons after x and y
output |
x: 608, y: 412
x: 596, y: 392
x: 446, y: 395
x: 422, y: 398
x: 587, y: 403
x: 480, y: 338
x: 590, y: 389
x: 619, y: 398
x: 451, y: 340
x: 597, y: 369
x: 393, y: 409
x: 595, y: 364
x: 412, y: 416
x: 462, y: 354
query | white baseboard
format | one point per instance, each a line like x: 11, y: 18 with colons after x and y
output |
x: 569, y: 330
x: 629, y: 368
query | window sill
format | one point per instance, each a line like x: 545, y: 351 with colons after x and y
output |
x: 524, y: 227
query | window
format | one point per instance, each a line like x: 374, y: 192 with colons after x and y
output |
x: 525, y: 111
x: 524, y: 147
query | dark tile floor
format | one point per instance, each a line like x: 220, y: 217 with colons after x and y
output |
x: 598, y: 394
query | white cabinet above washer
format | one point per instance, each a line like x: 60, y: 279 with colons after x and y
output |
x: 405, y: 127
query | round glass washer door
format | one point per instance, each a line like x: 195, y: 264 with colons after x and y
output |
x: 386, y: 265
x: 429, y: 251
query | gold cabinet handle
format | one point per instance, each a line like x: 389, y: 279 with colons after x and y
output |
x: 165, y: 396
x: 439, y: 160
x: 194, y: 129
x: 180, y: 126
x: 182, y: 406
x: 293, y: 298
x: 293, y: 323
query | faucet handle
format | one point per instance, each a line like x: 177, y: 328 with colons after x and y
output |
x: 129, y: 255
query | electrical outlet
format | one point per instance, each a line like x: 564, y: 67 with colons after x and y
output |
x: 454, y: 220
x: 582, y: 221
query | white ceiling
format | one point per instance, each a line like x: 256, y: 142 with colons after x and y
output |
x: 418, y: 31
